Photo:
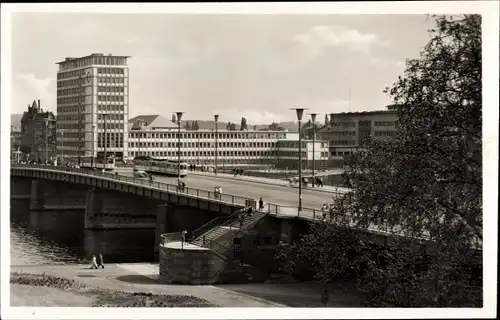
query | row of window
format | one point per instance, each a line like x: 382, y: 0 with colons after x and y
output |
x: 342, y: 142
x: 385, y: 133
x: 111, y: 70
x: 111, y: 116
x: 207, y: 135
x: 70, y: 100
x: 70, y: 117
x: 343, y: 124
x: 110, y: 98
x: 385, y: 123
x: 202, y: 144
x: 70, y: 91
x: 304, y: 154
x: 108, y: 80
x: 110, y: 89
x: 69, y: 126
x: 110, y: 108
x: 343, y: 133
x: 295, y: 144
x: 109, y: 126
x: 208, y: 153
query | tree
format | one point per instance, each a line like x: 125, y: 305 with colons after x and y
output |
x: 195, y: 125
x: 424, y: 188
x: 275, y: 127
x: 187, y: 126
x: 254, y: 128
x: 174, y: 118
x: 243, y: 125
x: 326, y: 119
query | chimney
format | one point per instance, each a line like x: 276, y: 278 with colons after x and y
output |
x: 39, y: 104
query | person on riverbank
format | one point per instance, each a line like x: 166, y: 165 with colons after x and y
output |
x: 261, y: 204
x: 94, y: 263
x: 100, y: 261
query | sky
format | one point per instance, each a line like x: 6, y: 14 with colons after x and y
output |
x: 253, y: 66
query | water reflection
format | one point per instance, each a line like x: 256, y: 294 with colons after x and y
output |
x: 59, y: 237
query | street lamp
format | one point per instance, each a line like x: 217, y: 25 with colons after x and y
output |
x: 313, y: 119
x: 105, y: 115
x: 62, y: 147
x: 300, y: 113
x: 179, y: 118
x: 46, y: 140
x: 216, y: 117
x: 93, y: 151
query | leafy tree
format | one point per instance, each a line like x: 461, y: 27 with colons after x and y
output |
x: 275, y: 127
x: 26, y: 149
x: 424, y: 188
x: 174, y: 118
x: 243, y: 125
x: 187, y: 126
x: 230, y: 126
x: 254, y: 128
x: 326, y: 119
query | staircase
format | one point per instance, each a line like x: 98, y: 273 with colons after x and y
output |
x: 225, y: 232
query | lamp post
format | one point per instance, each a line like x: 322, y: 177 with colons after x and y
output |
x: 92, y: 157
x: 216, y: 118
x: 46, y: 140
x: 313, y: 119
x: 300, y: 113
x: 62, y: 147
x: 179, y: 118
x: 105, y: 115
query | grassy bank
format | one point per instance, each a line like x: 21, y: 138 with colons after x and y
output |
x: 105, y: 298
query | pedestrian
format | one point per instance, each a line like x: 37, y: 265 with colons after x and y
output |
x: 94, y: 262
x: 324, y: 209
x: 220, y: 192
x: 100, y: 261
x: 261, y: 204
x: 183, y: 235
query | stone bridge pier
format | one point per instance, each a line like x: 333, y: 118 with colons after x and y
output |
x: 49, y: 195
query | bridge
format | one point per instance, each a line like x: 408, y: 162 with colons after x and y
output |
x: 279, y: 198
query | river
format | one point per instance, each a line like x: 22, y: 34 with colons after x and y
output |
x: 59, y: 237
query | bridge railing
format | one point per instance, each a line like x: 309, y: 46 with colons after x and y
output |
x: 199, y: 193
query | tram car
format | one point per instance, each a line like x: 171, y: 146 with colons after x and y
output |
x: 161, y: 166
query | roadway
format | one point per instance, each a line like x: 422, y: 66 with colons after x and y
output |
x: 270, y: 193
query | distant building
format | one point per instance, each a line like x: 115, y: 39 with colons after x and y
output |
x: 346, y: 131
x: 15, y: 140
x: 38, y: 133
x: 93, y: 91
x: 288, y: 153
x: 156, y: 136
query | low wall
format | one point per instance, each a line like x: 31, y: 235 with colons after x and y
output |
x: 193, y: 265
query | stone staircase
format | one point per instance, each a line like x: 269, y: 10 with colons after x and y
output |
x: 224, y: 233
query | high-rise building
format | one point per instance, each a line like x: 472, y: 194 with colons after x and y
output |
x: 92, y: 92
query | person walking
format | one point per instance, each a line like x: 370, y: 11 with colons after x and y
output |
x: 100, y: 261
x: 220, y: 192
x: 94, y: 262
x: 261, y: 204
x: 324, y: 209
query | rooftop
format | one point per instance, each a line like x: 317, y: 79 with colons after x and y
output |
x: 153, y: 121
x: 90, y: 56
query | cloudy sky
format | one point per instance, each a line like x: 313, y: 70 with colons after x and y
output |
x: 257, y: 66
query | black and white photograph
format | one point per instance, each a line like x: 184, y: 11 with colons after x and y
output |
x: 249, y: 161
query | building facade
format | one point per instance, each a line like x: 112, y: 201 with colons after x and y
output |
x: 158, y: 137
x: 92, y: 97
x: 38, y: 133
x: 346, y: 131
x: 288, y: 153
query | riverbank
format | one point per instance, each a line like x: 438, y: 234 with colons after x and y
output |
x: 144, y: 278
x: 41, y: 290
x: 136, y: 278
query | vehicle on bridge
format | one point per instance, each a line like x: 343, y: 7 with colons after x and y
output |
x: 162, y: 166
x: 98, y: 163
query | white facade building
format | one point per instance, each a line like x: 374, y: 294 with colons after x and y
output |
x: 157, y: 137
x: 92, y: 91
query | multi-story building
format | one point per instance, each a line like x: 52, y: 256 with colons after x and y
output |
x: 155, y: 136
x: 92, y: 92
x: 38, y: 133
x: 288, y: 153
x: 347, y: 131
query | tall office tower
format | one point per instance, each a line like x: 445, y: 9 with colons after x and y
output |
x: 92, y: 92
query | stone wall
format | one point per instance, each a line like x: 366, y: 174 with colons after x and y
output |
x: 189, y: 266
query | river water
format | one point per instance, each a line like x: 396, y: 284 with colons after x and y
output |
x: 59, y: 237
